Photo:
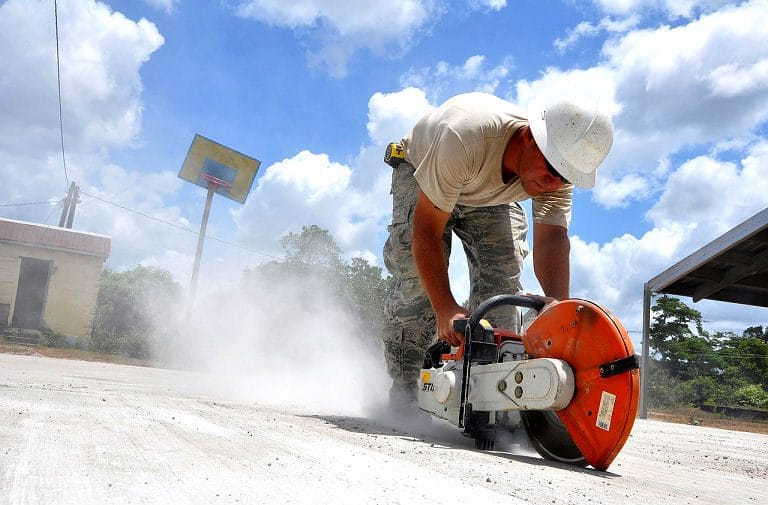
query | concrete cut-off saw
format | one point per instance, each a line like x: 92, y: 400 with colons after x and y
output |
x: 571, y: 374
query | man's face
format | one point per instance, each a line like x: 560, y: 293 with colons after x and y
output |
x: 534, y: 173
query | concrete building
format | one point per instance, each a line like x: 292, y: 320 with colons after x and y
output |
x: 49, y: 277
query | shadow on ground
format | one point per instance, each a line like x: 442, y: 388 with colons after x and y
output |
x: 423, y: 429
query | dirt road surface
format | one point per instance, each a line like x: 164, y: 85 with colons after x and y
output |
x: 75, y: 432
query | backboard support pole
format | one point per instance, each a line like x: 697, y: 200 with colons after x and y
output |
x: 199, y: 253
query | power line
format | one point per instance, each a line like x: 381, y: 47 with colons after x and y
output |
x: 58, y: 81
x: 47, y: 202
x: 148, y: 216
x: 49, y: 217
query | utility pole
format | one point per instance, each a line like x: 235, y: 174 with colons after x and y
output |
x: 72, y: 205
x: 67, y: 200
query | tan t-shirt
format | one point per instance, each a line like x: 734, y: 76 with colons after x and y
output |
x: 457, y: 151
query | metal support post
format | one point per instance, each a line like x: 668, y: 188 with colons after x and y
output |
x: 646, y: 352
x: 199, y: 253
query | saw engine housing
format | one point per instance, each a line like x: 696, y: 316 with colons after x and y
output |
x: 572, y: 375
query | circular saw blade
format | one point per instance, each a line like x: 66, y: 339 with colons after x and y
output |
x: 550, y: 438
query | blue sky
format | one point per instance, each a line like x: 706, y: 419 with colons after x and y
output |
x: 315, y: 89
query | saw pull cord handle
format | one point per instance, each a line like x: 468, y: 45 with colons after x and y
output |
x: 469, y: 328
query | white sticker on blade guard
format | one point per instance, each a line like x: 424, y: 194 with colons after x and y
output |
x: 606, y: 411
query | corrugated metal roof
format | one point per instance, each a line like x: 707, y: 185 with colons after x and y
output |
x: 731, y: 268
x: 54, y: 237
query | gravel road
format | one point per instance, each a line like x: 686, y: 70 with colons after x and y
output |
x: 74, y: 432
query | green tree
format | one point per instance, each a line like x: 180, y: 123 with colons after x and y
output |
x: 313, y: 247
x: 365, y: 291
x: 131, y: 307
x: 692, y: 366
x: 311, y: 254
x: 678, y: 338
x: 758, y: 332
x: 745, y: 359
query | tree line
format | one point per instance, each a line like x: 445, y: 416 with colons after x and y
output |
x: 690, y: 365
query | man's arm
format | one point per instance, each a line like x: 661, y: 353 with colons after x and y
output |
x: 551, y: 250
x: 428, y: 257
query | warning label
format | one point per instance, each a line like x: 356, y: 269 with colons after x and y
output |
x: 607, y: 401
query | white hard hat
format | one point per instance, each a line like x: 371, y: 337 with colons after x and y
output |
x: 574, y: 134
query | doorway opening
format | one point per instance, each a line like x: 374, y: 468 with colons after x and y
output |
x: 34, y: 275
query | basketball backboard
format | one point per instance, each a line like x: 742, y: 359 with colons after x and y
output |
x: 208, y: 160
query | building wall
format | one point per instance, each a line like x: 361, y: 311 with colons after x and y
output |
x: 9, y: 277
x: 72, y: 287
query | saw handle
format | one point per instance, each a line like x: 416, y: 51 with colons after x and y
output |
x: 498, y: 301
x: 460, y: 325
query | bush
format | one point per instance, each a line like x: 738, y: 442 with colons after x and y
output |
x: 664, y: 390
x: 751, y: 395
x: 128, y: 344
x: 50, y: 338
x: 700, y: 390
x: 132, y: 310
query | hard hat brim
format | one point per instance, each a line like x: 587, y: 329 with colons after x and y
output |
x: 537, y: 123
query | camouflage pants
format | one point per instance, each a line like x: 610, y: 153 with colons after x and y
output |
x: 494, y: 243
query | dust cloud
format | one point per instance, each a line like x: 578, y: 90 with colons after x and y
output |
x: 287, y: 343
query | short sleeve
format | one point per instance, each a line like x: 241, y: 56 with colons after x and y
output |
x: 554, y: 207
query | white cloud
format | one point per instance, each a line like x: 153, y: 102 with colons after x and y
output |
x: 614, y: 273
x: 617, y: 193
x: 392, y: 115
x: 342, y: 27
x: 136, y: 237
x: 168, y: 6
x: 732, y: 79
x: 444, y: 80
x: 495, y: 5
x: 714, y: 194
x: 671, y: 79
x: 673, y: 8
x: 101, y: 54
x: 587, y: 29
x: 314, y: 176
x: 672, y: 88
x: 335, y: 30
x: 598, y: 81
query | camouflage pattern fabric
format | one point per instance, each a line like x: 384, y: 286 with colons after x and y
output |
x: 494, y: 241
